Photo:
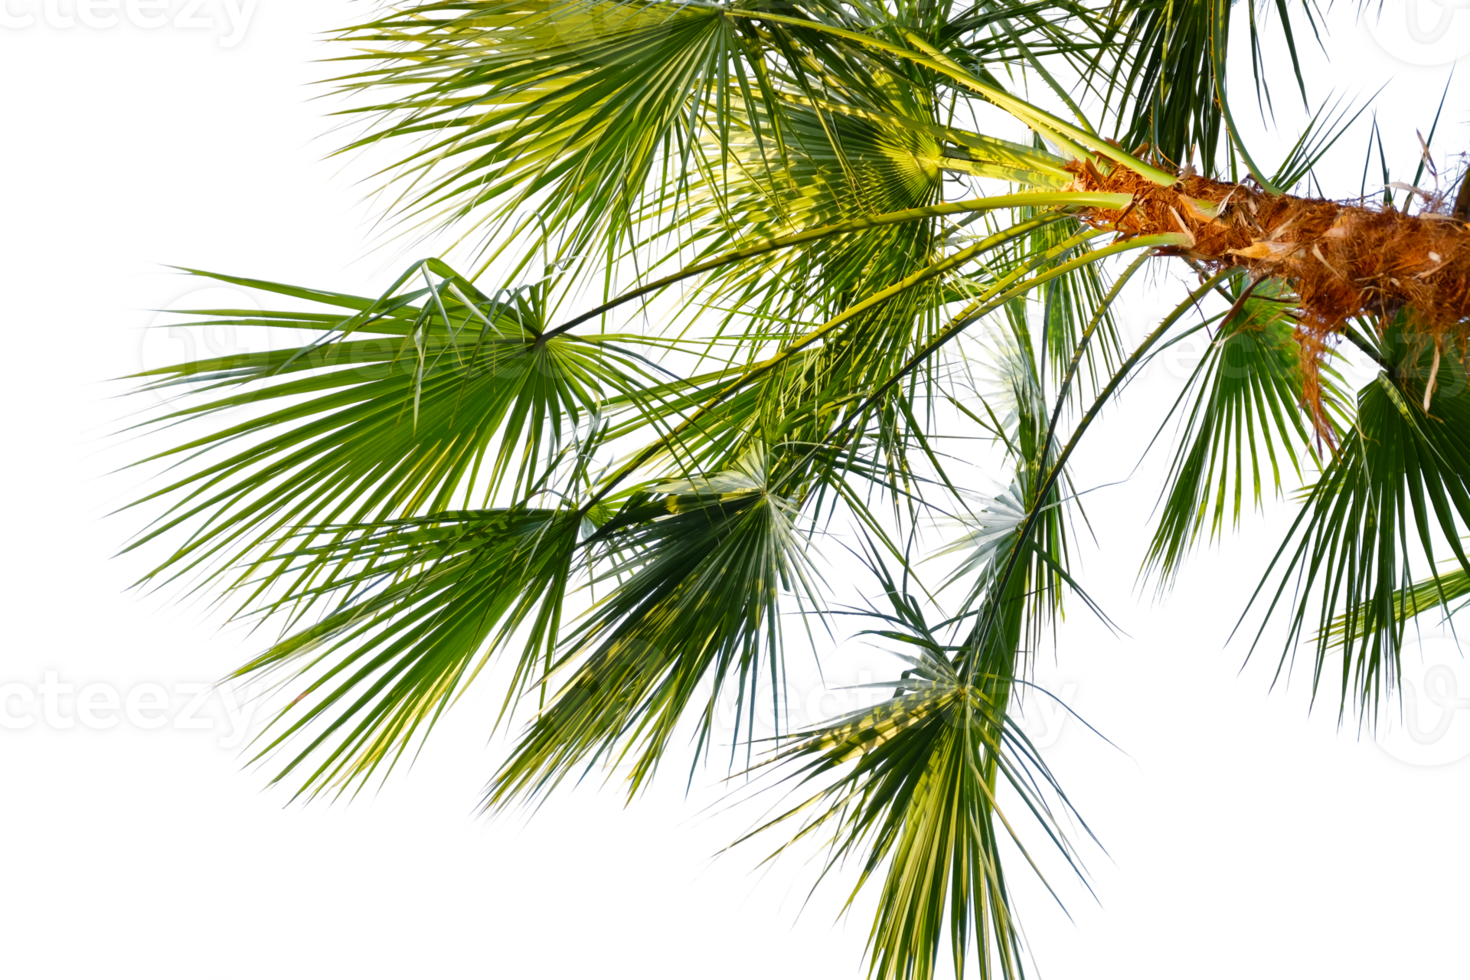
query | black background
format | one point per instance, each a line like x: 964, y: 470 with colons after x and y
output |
x: 1254, y: 845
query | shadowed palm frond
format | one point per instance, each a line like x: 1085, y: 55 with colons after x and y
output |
x: 1433, y: 594
x: 1398, y: 490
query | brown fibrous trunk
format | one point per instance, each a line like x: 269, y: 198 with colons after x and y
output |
x: 1343, y: 260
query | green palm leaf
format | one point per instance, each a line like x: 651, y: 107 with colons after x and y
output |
x: 908, y: 789
x: 1427, y: 595
x: 1399, y: 484
x: 577, y: 108
x: 1246, y: 416
x: 698, y: 575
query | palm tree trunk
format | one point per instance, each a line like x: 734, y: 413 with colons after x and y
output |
x: 1343, y: 260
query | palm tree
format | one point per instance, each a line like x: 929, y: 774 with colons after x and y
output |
x: 740, y: 273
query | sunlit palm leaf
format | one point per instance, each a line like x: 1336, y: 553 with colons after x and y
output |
x: 909, y: 788
x: 577, y: 108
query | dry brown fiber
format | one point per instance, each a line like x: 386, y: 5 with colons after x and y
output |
x: 1342, y: 259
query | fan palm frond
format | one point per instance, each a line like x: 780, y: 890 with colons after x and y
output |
x: 1246, y: 417
x: 1398, y: 489
x: 1432, y: 594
